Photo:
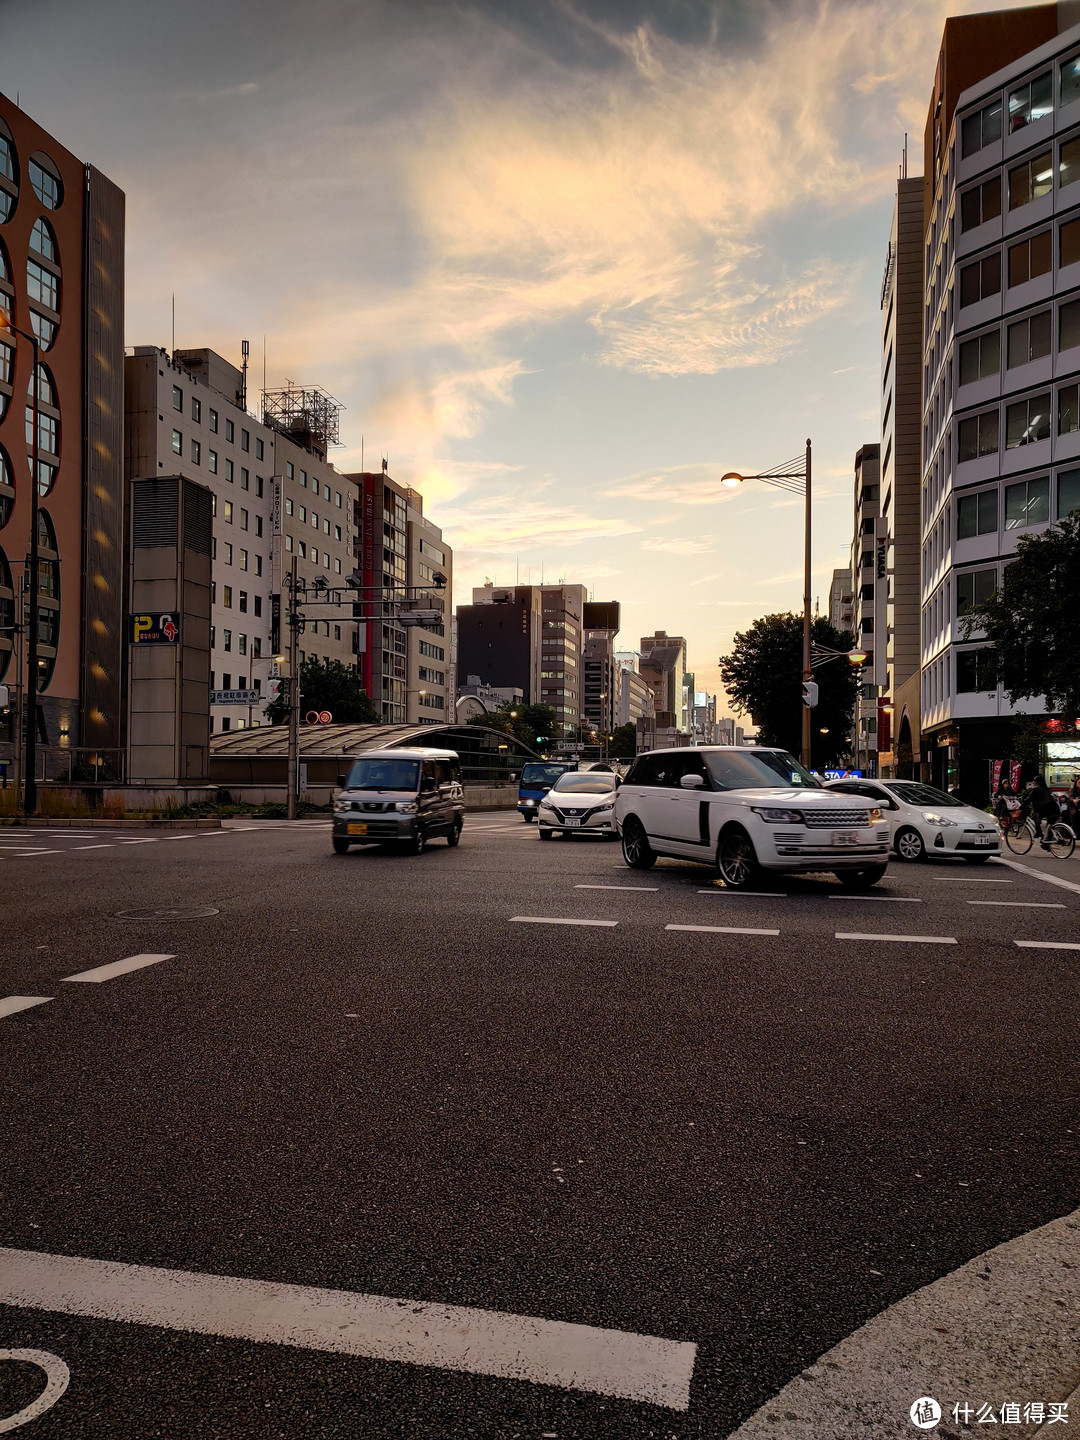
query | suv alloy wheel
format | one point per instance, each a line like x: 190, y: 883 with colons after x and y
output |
x: 637, y: 852
x: 736, y: 859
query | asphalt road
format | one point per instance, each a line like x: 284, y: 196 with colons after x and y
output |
x: 363, y: 1073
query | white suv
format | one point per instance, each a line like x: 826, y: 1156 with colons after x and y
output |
x: 747, y: 810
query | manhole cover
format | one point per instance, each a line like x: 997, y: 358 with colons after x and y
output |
x: 168, y: 912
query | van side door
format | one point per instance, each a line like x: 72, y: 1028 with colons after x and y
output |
x: 428, y: 800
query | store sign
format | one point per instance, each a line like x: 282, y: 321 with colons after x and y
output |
x: 157, y: 629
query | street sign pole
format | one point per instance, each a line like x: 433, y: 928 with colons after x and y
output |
x: 294, y: 694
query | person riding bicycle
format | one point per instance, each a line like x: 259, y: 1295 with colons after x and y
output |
x: 1038, y: 802
x: 1002, y: 795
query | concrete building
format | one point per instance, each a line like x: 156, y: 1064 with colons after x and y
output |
x: 663, y: 667
x: 601, y: 690
x: 562, y: 683
x: 475, y: 698
x: 1001, y: 336
x: 275, y: 496
x: 499, y: 638
x: 841, y: 601
x: 869, y: 567
x: 704, y: 723
x: 406, y: 668
x: 634, y: 697
x: 901, y: 479
x: 61, y: 280
x: 728, y: 732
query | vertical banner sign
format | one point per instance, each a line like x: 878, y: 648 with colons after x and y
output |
x: 275, y: 623
x: 275, y: 540
x: 881, y: 605
x: 277, y: 504
x: 1014, y: 775
x: 995, y: 775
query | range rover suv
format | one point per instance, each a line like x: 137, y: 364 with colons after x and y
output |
x: 748, y: 811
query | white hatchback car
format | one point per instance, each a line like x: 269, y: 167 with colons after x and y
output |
x: 926, y: 821
x: 747, y: 810
x: 581, y: 802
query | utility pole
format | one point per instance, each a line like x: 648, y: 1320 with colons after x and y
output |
x: 807, y: 672
x: 294, y: 693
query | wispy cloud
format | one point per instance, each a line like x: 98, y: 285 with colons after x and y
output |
x: 680, y: 547
x: 506, y: 524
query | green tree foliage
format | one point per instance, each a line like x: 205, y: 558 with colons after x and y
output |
x: 525, y: 722
x: 1033, y: 621
x: 623, y: 745
x: 763, y: 677
x: 329, y: 685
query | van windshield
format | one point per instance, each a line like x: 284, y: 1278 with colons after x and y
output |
x: 533, y: 776
x: 384, y: 774
x: 757, y: 769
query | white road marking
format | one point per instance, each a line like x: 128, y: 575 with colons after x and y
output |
x: 751, y: 894
x: 16, y: 853
x: 1020, y: 904
x: 118, y: 967
x: 550, y: 920
x: 12, y: 1004
x: 1039, y: 875
x: 57, y: 1378
x: 618, y: 1363
x: 180, y: 837
x: 909, y: 939
x: 105, y: 845
x: 892, y: 899
x: 150, y: 840
x: 970, y: 880
x: 1046, y: 945
x: 641, y: 889
x: 721, y: 929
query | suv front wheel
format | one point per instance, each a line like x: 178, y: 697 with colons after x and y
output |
x: 637, y: 852
x: 736, y: 859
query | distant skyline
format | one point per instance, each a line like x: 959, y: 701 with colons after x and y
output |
x: 564, y: 263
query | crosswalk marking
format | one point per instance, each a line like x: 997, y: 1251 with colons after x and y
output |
x: 118, y: 967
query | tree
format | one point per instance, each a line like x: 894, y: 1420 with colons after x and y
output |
x: 534, y: 725
x: 329, y: 685
x: 1033, y: 622
x: 623, y: 744
x: 763, y: 676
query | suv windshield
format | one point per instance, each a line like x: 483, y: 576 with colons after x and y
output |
x: 584, y: 783
x: 383, y: 774
x: 756, y: 769
x: 912, y: 793
x: 537, y: 775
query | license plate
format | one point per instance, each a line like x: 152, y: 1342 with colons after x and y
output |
x: 572, y: 823
x: 985, y: 840
x: 845, y: 837
x: 355, y: 829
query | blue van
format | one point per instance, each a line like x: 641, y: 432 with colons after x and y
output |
x: 537, y: 778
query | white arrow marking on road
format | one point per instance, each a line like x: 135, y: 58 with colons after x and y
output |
x: 447, y: 1337
x: 910, y: 939
x: 549, y: 920
x: 118, y: 967
x: 13, y: 1004
x: 721, y: 930
x: 57, y: 1376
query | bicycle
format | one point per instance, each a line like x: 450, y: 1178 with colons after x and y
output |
x: 1021, y: 832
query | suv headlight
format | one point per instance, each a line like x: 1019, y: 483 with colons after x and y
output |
x: 407, y: 807
x: 875, y: 815
x: 933, y: 818
x: 779, y: 817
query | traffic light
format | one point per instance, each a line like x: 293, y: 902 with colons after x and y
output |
x: 809, y: 693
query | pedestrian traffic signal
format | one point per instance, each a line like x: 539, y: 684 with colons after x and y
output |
x: 809, y: 693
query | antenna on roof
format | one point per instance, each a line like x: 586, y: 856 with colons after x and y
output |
x: 245, y: 351
x: 174, y: 322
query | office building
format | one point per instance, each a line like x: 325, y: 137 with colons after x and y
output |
x: 275, y: 496
x: 562, y: 670
x: 634, y: 696
x: 663, y: 668
x: 601, y: 694
x: 498, y: 638
x: 61, y: 281
x: 704, y: 724
x: 841, y: 601
x: 1001, y: 336
x: 869, y: 592
x: 728, y: 732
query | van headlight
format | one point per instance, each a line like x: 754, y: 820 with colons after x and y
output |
x: 340, y: 805
x: 528, y: 802
x: 779, y: 817
x: 406, y: 807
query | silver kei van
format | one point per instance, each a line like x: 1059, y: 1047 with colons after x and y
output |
x: 400, y: 797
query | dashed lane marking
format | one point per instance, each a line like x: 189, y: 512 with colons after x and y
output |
x: 617, y: 1363
x: 1041, y: 875
x: 16, y: 854
x: 105, y: 845
x: 180, y: 837
x: 1046, y: 945
x: 902, y: 939
x: 891, y: 899
x: 552, y: 920
x: 970, y: 880
x: 750, y: 894
x: 118, y: 967
x: 641, y: 889
x: 13, y: 1004
x: 1020, y: 904
x: 721, y: 930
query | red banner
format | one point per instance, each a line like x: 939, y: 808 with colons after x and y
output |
x: 995, y: 779
x: 1014, y: 775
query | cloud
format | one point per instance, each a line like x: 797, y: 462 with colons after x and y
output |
x: 507, y: 525
x: 680, y: 547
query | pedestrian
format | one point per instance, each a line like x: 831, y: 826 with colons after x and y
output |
x: 1044, y: 807
x: 1002, y: 795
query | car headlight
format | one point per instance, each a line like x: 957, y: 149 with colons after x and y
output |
x: 933, y: 818
x: 530, y: 802
x: 407, y: 807
x: 598, y: 809
x: 545, y: 804
x: 875, y: 815
x: 779, y: 817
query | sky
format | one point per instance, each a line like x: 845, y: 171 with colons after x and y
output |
x: 563, y: 262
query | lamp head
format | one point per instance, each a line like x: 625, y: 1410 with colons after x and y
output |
x: 732, y: 479
x: 857, y: 657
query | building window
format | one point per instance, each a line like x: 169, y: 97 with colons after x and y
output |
x: 975, y: 670
x: 177, y: 443
x: 178, y: 399
x: 338, y: 502
x: 1027, y: 421
x: 1070, y: 81
x: 245, y: 479
x: 980, y: 280
x: 195, y: 450
x: 337, y: 533
x: 978, y: 435
x: 1069, y: 325
x: 980, y: 203
x: 45, y: 181
x: 982, y: 128
x: 433, y: 652
x: 303, y: 478
x: 1069, y: 162
x: 228, y: 512
x: 1027, y: 503
x: 1068, y: 493
x: 241, y: 644
x: 243, y: 559
x: 226, y: 598
x: 1031, y: 180
x: 1029, y: 340
x: 43, y: 286
x: 337, y: 567
x: 1069, y: 240
x: 213, y: 421
x: 259, y: 487
x: 211, y: 461
x: 289, y: 469
x: 230, y: 431
x: 229, y: 471
x: 258, y: 604
x: 973, y: 589
x: 1030, y: 258
x: 302, y: 514
x: 288, y: 505
x: 228, y: 557
x: 1031, y: 102
x: 1068, y: 409
x: 980, y: 357
x: 226, y: 644
x: 258, y: 448
x: 243, y: 519
x: 245, y: 440
x: 302, y: 548
x: 243, y: 601
x: 258, y: 569
x: 288, y: 543
x: 196, y: 409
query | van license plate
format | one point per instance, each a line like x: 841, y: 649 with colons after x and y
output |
x: 354, y: 829
x: 571, y: 823
x: 845, y: 837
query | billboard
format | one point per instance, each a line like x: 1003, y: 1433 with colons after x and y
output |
x: 157, y: 629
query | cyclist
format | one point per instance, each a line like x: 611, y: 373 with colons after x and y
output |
x: 1039, y: 802
x: 1002, y: 795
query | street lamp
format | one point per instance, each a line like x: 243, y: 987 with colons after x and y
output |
x: 793, y: 476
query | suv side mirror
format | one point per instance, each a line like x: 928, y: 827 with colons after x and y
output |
x: 691, y: 782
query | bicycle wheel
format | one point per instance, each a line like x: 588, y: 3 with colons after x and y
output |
x: 1018, y: 837
x: 1062, y: 842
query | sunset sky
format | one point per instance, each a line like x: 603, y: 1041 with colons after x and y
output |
x: 564, y: 261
